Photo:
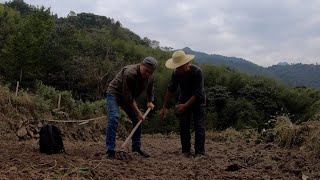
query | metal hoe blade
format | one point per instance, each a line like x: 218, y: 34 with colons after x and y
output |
x: 122, y: 155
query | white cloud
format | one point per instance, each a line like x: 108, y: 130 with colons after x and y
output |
x: 264, y: 32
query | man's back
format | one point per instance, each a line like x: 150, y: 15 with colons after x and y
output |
x: 128, y: 84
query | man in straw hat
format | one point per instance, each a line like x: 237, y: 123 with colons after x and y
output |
x: 188, y: 80
x: 128, y: 84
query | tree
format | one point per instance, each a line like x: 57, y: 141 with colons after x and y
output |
x: 21, y: 6
x: 9, y: 22
x: 27, y: 52
x: 155, y: 44
x: 71, y: 14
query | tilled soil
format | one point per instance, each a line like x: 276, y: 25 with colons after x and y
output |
x: 223, y: 160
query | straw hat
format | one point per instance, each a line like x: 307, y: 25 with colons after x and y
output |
x: 178, y: 59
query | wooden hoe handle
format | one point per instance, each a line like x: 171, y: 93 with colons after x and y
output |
x: 134, y: 129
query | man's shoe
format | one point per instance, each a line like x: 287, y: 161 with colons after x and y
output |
x: 142, y: 153
x: 111, y: 154
x: 185, y: 154
x: 199, y: 156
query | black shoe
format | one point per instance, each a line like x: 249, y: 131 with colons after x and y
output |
x: 111, y: 154
x: 142, y: 153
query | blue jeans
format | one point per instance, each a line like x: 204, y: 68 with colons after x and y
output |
x: 113, y: 121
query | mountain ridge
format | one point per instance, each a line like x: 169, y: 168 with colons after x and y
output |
x: 302, y: 75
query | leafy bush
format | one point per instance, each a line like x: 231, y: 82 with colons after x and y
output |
x: 86, y: 110
x: 312, y: 111
x: 51, y: 96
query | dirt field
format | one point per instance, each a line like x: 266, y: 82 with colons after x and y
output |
x: 224, y: 160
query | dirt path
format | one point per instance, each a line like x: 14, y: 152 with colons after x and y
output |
x: 224, y: 160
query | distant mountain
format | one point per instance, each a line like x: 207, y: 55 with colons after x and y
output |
x: 295, y: 74
x: 231, y: 62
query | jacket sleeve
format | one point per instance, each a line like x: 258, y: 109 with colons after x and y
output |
x: 150, y: 90
x: 173, y: 85
x: 127, y: 85
x: 199, y: 85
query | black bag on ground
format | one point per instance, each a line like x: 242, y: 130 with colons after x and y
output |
x: 51, y: 140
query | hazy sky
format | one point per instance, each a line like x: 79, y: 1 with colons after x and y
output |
x: 264, y: 32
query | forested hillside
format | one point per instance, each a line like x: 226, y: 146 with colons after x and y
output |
x: 79, y: 53
x: 290, y: 74
x: 307, y: 75
x: 235, y: 63
x: 54, y: 70
x: 82, y: 52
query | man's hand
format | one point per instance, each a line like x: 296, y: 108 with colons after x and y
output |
x: 134, y: 106
x: 140, y: 116
x: 181, y: 108
x: 163, y: 113
x: 150, y: 105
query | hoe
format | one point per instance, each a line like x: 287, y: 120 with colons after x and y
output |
x: 122, y: 155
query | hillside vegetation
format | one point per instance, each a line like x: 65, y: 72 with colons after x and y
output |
x: 79, y: 54
x: 256, y: 126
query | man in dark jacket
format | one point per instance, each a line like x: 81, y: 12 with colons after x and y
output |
x: 122, y: 91
x: 188, y: 80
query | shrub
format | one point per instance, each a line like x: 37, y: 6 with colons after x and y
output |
x: 51, y: 95
x: 86, y: 110
x: 287, y: 134
x: 312, y: 142
x: 306, y: 136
